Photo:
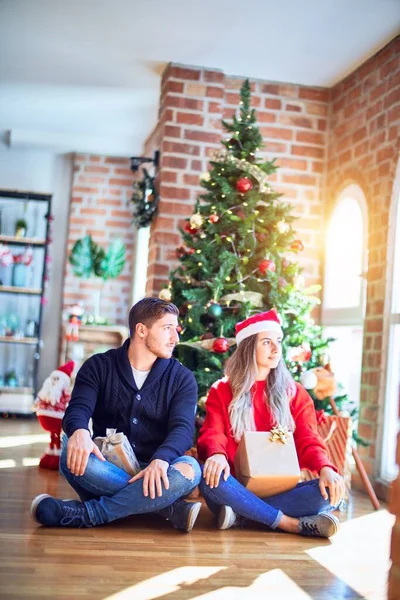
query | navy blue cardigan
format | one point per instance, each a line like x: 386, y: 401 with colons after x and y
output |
x: 158, y: 419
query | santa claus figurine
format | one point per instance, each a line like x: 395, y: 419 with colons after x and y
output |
x: 50, y: 406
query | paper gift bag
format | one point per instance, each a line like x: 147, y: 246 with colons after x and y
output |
x: 116, y: 448
x: 336, y: 431
x: 266, y: 463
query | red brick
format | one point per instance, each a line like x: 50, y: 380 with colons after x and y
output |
x: 182, y: 102
x: 126, y: 214
x: 169, y: 176
x: 92, y: 211
x: 117, y: 161
x: 176, y: 87
x: 164, y: 237
x: 163, y: 223
x: 214, y: 92
x: 320, y: 110
x: 292, y: 163
x: 255, y: 101
x: 95, y: 159
x: 172, y: 131
x: 273, y: 104
x: 175, y: 193
x: 392, y: 98
x: 108, y: 201
x: 296, y: 121
x: 293, y: 107
x: 214, y: 107
x: 393, y: 114
x: 315, y: 94
x: 191, y: 179
x: 90, y: 169
x: 303, y: 179
x: 309, y: 137
x: 174, y: 162
x: 202, y: 136
x: 120, y: 182
x: 309, y: 151
x: 126, y: 172
x: 214, y: 76
x: 232, y: 98
x: 322, y: 125
x: 189, y: 118
x: 180, y: 148
x: 266, y: 117
x: 318, y: 167
x: 183, y: 73
x: 196, y: 165
x: 288, y: 90
x: 85, y: 189
x: 275, y: 148
x: 174, y: 208
x: 276, y: 133
x: 385, y: 153
x: 115, y: 223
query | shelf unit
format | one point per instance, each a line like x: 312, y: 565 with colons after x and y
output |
x: 18, y: 399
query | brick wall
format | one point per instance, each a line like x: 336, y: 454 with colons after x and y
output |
x: 293, y: 121
x: 364, y: 145
x: 100, y: 205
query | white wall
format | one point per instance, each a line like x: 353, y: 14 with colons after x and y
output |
x: 45, y: 172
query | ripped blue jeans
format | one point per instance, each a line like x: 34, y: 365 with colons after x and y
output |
x: 108, y: 496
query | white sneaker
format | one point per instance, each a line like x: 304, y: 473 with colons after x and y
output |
x: 227, y: 517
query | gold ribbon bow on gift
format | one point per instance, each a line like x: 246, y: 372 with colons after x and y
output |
x: 111, y: 439
x: 279, y: 434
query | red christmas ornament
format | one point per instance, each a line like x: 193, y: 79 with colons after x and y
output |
x: 190, y: 229
x: 297, y: 246
x: 266, y: 265
x: 244, y: 185
x: 213, y: 218
x: 220, y: 345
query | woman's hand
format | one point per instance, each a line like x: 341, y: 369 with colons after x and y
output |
x: 213, y: 467
x: 328, y: 478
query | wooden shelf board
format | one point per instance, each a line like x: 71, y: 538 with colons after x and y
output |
x: 24, y: 241
x: 13, y: 340
x: 20, y: 290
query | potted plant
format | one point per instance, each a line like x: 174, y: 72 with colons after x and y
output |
x: 20, y: 228
x: 21, y: 262
x: 89, y: 259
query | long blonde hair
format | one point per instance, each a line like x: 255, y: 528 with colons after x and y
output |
x: 280, y: 388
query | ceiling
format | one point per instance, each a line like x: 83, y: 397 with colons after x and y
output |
x: 85, y: 74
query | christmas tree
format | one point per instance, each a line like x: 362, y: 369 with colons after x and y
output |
x: 239, y: 256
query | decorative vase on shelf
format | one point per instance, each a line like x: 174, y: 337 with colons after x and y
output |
x: 11, y: 379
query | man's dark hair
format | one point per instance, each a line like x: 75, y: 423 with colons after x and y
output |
x: 148, y: 311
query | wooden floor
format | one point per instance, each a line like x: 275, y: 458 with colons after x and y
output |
x: 144, y: 558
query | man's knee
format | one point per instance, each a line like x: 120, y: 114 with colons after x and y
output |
x: 189, y: 468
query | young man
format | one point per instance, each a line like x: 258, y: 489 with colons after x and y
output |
x: 141, y: 390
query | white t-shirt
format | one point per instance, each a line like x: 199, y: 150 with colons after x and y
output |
x: 140, y: 377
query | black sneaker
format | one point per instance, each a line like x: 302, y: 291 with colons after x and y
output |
x: 182, y: 514
x: 49, y: 511
x: 323, y: 525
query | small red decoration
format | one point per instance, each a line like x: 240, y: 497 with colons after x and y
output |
x: 220, y: 345
x: 213, y: 218
x: 266, y: 265
x: 244, y: 185
x: 190, y: 229
x: 297, y: 246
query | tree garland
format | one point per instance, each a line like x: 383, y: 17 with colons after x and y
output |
x: 145, y: 199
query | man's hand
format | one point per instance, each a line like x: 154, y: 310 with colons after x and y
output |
x: 153, y: 476
x: 328, y: 478
x: 213, y: 467
x: 80, y: 446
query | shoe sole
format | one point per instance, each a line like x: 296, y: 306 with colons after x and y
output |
x: 194, y: 513
x: 35, y: 503
x: 224, y: 517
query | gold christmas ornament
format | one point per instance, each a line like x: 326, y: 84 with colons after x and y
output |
x: 205, y: 176
x: 165, y: 295
x: 255, y: 298
x: 196, y: 221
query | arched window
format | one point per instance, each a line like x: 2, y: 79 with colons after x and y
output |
x: 392, y: 337
x: 344, y: 291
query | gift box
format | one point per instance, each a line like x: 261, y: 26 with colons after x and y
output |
x: 336, y: 431
x: 116, y: 448
x: 266, y: 463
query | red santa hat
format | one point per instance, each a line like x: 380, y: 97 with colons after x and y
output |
x: 67, y: 368
x: 266, y: 321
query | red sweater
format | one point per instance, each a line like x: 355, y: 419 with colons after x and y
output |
x: 216, y: 437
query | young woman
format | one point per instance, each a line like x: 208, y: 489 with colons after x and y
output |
x: 258, y: 393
